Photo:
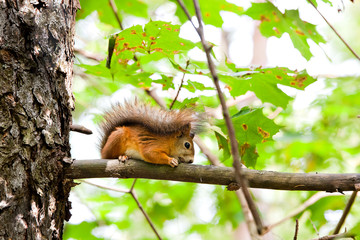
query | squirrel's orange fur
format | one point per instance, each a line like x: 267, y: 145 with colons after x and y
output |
x: 136, y: 130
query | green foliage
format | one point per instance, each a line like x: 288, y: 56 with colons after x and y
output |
x: 263, y: 82
x: 209, y: 10
x: 251, y: 128
x: 157, y: 40
x: 80, y: 231
x: 275, y: 23
x: 155, y: 55
x: 106, y: 13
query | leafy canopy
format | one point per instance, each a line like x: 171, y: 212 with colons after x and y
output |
x: 157, y: 54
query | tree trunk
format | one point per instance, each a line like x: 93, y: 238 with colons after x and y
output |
x: 36, y: 52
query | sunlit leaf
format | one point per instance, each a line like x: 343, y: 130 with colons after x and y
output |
x: 264, y: 83
x: 251, y: 128
x: 275, y: 23
x: 106, y: 13
x: 210, y: 10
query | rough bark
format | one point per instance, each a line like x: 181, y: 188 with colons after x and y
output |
x: 101, y: 168
x: 36, y: 52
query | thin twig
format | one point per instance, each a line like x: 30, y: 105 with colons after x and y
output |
x: 336, y: 236
x: 156, y: 98
x: 89, y: 55
x: 181, y: 3
x: 328, y: 23
x: 214, y: 160
x: 80, y: 129
x: 234, y: 145
x: 313, y: 199
x: 116, y: 13
x: 105, y: 187
x: 315, y: 228
x: 275, y: 113
x: 181, y: 84
x: 345, y: 213
x: 296, y: 229
x: 133, y: 194
x: 133, y: 185
x: 242, y: 100
x: 145, y: 214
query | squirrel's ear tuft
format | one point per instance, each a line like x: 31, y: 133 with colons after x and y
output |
x: 180, y: 134
x: 192, y: 134
x: 185, y: 131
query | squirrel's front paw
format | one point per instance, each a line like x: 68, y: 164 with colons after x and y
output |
x: 123, y: 158
x: 174, y: 162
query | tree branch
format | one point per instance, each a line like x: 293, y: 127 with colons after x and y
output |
x: 296, y: 229
x: 313, y: 199
x: 346, y: 212
x: 116, y: 14
x: 133, y: 195
x: 240, y: 179
x: 337, y: 34
x: 337, y: 236
x: 104, y: 168
x: 80, y: 129
x: 181, y: 84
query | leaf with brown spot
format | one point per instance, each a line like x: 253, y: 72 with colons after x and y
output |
x: 264, y: 83
x: 258, y: 128
x: 276, y: 23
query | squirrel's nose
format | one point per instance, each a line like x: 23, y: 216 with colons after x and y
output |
x: 191, y: 161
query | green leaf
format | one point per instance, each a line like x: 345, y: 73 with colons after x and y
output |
x: 275, y: 23
x: 111, y: 47
x: 165, y: 81
x: 263, y: 82
x: 251, y: 128
x: 157, y: 40
x: 210, y: 10
x: 107, y: 15
x: 192, y: 86
x: 325, y: 1
x: 223, y: 144
x: 187, y: 103
x: 80, y: 231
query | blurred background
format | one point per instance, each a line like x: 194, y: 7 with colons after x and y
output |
x: 320, y: 129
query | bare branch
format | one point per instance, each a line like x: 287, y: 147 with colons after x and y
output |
x: 205, y: 150
x: 181, y: 84
x: 157, y: 99
x: 313, y: 199
x: 80, y: 129
x: 182, y: 5
x: 339, y: 36
x: 346, y: 212
x: 296, y: 229
x: 116, y: 14
x: 133, y: 185
x: 212, y: 175
x: 132, y: 193
x: 231, y: 131
x: 89, y: 55
x: 337, y: 236
x: 105, y: 187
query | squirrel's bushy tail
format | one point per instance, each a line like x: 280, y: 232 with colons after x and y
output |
x: 157, y: 120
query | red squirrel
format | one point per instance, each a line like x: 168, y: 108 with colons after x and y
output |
x: 140, y: 131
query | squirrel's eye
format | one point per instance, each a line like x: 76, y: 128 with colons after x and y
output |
x: 187, y: 145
